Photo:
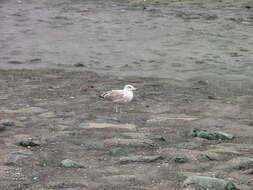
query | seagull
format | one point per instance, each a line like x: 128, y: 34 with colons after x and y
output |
x: 119, y: 96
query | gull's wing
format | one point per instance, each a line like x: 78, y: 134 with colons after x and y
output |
x: 113, y: 95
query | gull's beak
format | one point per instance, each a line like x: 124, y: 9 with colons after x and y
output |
x: 134, y: 88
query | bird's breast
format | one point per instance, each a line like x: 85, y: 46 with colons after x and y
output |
x: 128, y: 97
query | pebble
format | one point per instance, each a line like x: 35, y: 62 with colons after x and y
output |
x: 79, y: 64
x: 71, y: 164
x: 156, y: 138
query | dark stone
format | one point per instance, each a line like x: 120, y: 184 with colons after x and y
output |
x: 156, y: 138
x: 35, y: 60
x: 211, y: 97
x: 28, y: 143
x: 15, y: 62
x: 79, y: 64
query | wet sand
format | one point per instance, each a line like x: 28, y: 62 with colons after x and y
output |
x: 191, y: 62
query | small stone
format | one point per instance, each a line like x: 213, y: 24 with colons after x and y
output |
x: 210, y: 182
x: 118, y: 151
x: 79, y: 64
x: 209, y: 135
x: 92, y: 125
x: 35, y: 60
x: 210, y: 97
x: 71, y: 164
x: 8, y: 122
x: 16, y: 62
x: 128, y: 159
x: 156, y: 138
x: 211, y: 156
x: 28, y: 143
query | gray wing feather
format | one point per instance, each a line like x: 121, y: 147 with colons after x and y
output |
x: 113, y: 95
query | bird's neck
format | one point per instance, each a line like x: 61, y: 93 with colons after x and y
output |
x: 126, y: 91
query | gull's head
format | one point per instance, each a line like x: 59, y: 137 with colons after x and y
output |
x: 129, y: 87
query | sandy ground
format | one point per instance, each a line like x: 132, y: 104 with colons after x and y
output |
x: 191, y: 62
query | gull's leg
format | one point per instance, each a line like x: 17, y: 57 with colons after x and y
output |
x: 116, y: 106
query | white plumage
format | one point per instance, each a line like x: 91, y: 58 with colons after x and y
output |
x: 119, y: 96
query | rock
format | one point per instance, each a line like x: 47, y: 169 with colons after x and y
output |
x: 225, y: 150
x: 48, y: 115
x: 239, y: 163
x: 156, y: 138
x: 211, y: 156
x: 209, y: 182
x: 180, y: 160
x: 2, y: 128
x: 210, y: 16
x: 16, y: 62
x: 79, y: 64
x: 8, y: 122
x: 71, y: 164
x: 107, y: 125
x: 128, y: 159
x: 35, y: 60
x: 26, y: 141
x: 209, y: 135
x: 118, y: 151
